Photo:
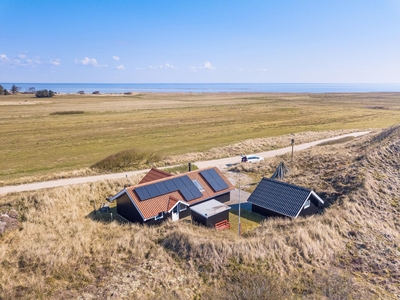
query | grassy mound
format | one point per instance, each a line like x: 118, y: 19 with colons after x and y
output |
x: 128, y: 160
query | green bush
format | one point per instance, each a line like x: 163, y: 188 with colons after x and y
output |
x: 44, y: 94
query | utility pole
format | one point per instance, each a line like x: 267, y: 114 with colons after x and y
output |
x: 292, y: 148
x: 239, y: 225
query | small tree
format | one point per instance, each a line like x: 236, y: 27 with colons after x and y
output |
x: 6, y: 92
x: 15, y: 89
x: 31, y: 90
x: 1, y: 90
x: 44, y: 94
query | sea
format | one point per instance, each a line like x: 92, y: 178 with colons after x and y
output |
x: 88, y: 88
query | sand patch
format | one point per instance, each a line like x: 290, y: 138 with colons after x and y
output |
x: 8, y: 103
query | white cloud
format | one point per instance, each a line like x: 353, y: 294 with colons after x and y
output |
x: 115, y: 57
x: 89, y: 62
x: 207, y: 65
x: 3, y: 57
x: 262, y: 70
x: 138, y: 69
x: 29, y: 61
x: 165, y: 66
x: 17, y: 61
x: 38, y: 61
x: 55, y: 62
x: 168, y: 66
x: 120, y: 67
x: 22, y: 56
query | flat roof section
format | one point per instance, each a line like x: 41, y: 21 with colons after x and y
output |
x: 209, y: 208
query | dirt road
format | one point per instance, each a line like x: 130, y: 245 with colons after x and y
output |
x: 221, y: 163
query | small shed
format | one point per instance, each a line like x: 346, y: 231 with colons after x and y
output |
x: 273, y: 198
x: 210, y: 212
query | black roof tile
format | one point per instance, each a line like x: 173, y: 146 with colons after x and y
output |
x: 283, y: 198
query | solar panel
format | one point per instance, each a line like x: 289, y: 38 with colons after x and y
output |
x: 187, y: 194
x: 213, y: 174
x: 215, y: 186
x: 151, y: 189
x: 186, y: 180
x: 194, y: 190
x: 179, y: 183
x: 142, y: 193
x: 221, y: 183
x: 162, y: 189
x: 207, y: 176
x: 170, y: 185
x: 183, y: 184
x: 213, y: 179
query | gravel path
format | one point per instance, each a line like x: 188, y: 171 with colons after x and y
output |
x: 220, y: 163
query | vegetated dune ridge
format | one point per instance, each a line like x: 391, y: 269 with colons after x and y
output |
x: 349, y: 252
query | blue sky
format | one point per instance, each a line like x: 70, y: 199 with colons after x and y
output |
x: 206, y: 41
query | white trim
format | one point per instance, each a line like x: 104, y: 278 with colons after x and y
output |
x: 303, y: 205
x: 159, y: 218
x: 316, y: 196
x: 179, y: 201
x: 117, y: 195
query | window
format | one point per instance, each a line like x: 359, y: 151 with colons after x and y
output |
x: 182, y: 207
x: 159, y: 216
x: 198, y: 185
x: 307, y: 204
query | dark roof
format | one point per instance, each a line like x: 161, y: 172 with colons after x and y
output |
x: 281, y: 197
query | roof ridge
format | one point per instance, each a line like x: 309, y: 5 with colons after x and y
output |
x: 161, y: 171
x: 288, y: 184
x: 169, y: 177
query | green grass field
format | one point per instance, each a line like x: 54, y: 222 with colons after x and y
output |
x: 37, y: 139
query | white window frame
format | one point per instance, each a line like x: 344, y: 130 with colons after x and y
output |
x: 159, y: 216
x: 198, y: 185
x: 307, y: 204
x: 182, y: 207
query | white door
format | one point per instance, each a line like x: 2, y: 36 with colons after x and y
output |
x: 175, y: 213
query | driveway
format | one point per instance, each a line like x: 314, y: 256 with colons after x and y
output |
x: 220, y: 163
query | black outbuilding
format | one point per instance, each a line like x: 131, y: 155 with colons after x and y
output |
x: 210, y: 212
x: 274, y: 198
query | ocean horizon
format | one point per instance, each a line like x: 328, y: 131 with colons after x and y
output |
x: 88, y: 88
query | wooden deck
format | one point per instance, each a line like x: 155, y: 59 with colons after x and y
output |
x: 222, y: 225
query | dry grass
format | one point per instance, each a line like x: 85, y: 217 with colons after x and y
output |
x: 351, y: 251
x: 35, y: 143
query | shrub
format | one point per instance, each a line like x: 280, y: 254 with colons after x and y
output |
x: 128, y: 159
x: 96, y: 93
x: 81, y: 93
x: 44, y: 94
x: 69, y: 112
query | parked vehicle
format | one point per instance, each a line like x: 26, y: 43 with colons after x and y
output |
x: 252, y: 158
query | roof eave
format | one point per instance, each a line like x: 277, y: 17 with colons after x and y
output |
x: 117, y: 195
